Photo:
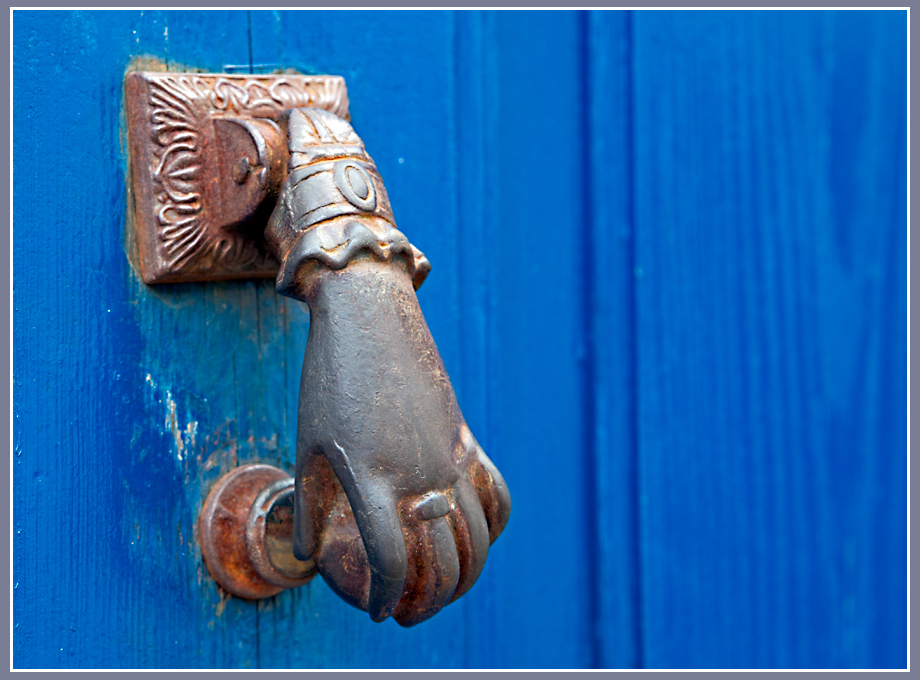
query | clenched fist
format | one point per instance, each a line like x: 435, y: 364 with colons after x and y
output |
x: 395, y: 500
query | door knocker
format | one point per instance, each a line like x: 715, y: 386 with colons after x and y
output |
x: 392, y: 500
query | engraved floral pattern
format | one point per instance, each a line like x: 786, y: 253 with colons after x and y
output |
x: 179, y: 106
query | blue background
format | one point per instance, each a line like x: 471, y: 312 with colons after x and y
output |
x: 669, y: 285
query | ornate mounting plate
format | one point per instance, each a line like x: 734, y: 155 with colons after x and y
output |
x: 207, y: 158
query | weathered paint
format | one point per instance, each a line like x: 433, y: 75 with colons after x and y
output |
x: 670, y: 360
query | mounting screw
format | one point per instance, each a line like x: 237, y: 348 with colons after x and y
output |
x: 240, y: 170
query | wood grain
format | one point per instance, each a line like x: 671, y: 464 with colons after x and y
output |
x: 770, y: 265
x: 669, y: 266
x: 175, y: 384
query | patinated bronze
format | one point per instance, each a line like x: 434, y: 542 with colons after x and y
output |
x: 392, y: 501
x: 395, y: 500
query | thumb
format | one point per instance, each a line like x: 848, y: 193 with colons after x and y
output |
x: 378, y: 521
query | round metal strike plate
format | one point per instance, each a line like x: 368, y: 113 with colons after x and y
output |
x: 222, y: 531
x: 269, y: 537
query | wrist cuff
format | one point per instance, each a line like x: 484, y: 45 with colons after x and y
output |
x: 335, y: 244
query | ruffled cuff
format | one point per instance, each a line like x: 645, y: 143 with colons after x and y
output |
x: 335, y: 244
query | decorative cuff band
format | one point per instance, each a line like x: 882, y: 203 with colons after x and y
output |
x: 335, y: 243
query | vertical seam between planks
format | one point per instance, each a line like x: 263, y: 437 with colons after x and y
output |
x: 633, y: 343
x: 589, y: 355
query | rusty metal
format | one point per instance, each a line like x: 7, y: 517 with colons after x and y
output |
x: 230, y: 534
x: 208, y: 155
x: 269, y: 537
x: 394, y: 503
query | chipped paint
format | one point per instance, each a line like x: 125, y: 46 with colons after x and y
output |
x: 184, y: 438
x: 172, y: 422
x: 224, y: 596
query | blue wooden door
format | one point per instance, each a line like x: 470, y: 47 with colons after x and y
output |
x: 669, y: 268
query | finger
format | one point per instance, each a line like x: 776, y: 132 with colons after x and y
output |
x: 433, y: 570
x: 472, y: 535
x: 378, y: 521
x: 314, y: 493
x: 386, y: 556
x: 493, y: 493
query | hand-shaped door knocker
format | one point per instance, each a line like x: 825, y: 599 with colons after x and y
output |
x: 393, y: 502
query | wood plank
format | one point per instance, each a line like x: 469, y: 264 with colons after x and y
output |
x: 105, y: 499
x: 609, y: 311
x: 771, y: 247
x: 538, y: 368
x: 457, y: 206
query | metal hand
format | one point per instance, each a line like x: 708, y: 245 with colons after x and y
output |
x: 394, y: 499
